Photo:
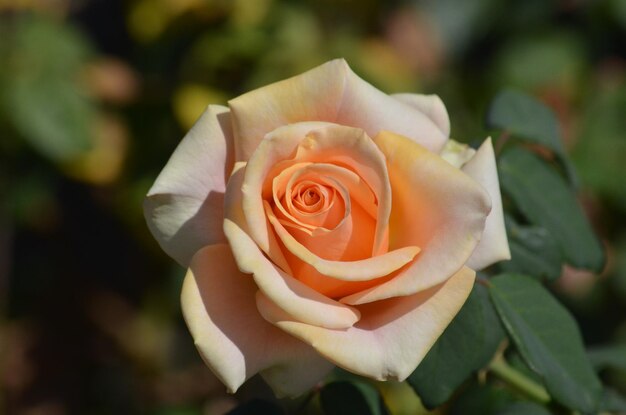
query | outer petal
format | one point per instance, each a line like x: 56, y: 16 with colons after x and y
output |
x: 300, y: 301
x: 232, y: 338
x: 493, y: 245
x: 430, y: 105
x: 435, y: 207
x: 184, y: 207
x: 330, y: 92
x: 392, y: 337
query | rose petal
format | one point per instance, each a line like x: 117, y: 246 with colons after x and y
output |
x: 300, y: 301
x: 430, y: 105
x: 232, y: 338
x: 314, y: 142
x: 350, y: 241
x: 493, y: 245
x: 352, y: 236
x: 356, y: 270
x: 184, y: 207
x: 457, y: 153
x: 321, y: 176
x: 436, y: 207
x: 331, y: 92
x: 392, y: 337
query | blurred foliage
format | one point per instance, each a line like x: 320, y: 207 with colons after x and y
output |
x: 95, y: 95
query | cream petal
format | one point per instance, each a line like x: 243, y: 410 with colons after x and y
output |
x: 430, y: 105
x: 493, y: 245
x: 234, y: 215
x: 330, y: 92
x: 392, y: 337
x: 436, y: 207
x: 233, y: 339
x: 184, y: 207
x: 300, y: 301
x: 457, y: 153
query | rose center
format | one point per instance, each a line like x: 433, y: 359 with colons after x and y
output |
x: 311, y: 197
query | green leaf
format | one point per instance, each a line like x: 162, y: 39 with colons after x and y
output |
x: 481, y: 400
x: 42, y: 95
x: 608, y: 356
x: 347, y: 398
x: 612, y: 402
x: 466, y: 345
x: 524, y: 408
x: 515, y: 360
x: 544, y: 198
x: 529, y: 119
x: 533, y: 251
x: 524, y: 116
x: 548, y: 339
x: 257, y: 407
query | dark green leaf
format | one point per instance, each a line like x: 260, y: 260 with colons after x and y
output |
x: 494, y: 333
x: 524, y: 116
x: 347, y: 398
x: 533, y: 251
x: 608, y: 356
x: 515, y: 360
x: 42, y: 96
x: 524, y: 408
x: 257, y: 407
x: 612, y: 402
x: 527, y: 118
x: 484, y: 399
x: 548, y: 339
x: 546, y: 200
x: 466, y: 345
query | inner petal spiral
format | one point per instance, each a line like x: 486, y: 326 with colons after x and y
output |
x: 311, y: 197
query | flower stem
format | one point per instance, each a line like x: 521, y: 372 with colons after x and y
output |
x: 518, y: 380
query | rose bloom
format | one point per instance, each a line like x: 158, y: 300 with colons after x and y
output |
x: 325, y: 223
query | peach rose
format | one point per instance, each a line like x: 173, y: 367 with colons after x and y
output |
x: 325, y: 223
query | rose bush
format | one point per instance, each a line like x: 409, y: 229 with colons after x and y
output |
x: 325, y: 223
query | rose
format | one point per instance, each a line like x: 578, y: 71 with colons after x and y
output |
x: 360, y: 223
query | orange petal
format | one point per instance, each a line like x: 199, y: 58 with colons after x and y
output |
x: 316, y: 143
x: 358, y: 270
x: 392, y: 337
x: 436, y: 207
x: 325, y: 177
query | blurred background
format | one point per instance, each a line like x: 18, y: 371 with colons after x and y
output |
x: 96, y: 94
